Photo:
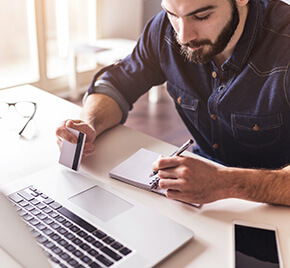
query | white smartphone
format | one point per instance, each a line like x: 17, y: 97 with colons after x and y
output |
x: 255, y: 245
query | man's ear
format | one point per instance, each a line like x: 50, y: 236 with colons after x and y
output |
x: 241, y: 3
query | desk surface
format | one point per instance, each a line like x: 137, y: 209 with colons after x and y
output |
x: 212, y: 246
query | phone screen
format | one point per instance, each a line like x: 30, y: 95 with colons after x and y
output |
x: 255, y: 247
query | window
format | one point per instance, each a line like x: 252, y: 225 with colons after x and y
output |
x: 37, y: 37
x: 18, y: 53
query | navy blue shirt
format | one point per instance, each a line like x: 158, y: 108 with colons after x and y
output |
x: 243, y: 120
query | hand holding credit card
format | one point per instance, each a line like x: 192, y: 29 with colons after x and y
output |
x: 71, y: 154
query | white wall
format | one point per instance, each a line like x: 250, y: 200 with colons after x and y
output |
x: 122, y: 19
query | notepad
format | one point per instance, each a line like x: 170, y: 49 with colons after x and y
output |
x: 136, y: 169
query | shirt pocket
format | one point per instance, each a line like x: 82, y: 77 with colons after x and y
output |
x: 186, y: 104
x: 256, y: 131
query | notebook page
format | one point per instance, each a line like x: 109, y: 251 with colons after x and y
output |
x: 136, y: 169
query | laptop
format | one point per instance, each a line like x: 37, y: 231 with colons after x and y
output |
x: 62, y: 218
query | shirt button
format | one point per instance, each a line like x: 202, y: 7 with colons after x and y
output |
x: 179, y: 100
x: 256, y: 127
x: 215, y: 146
x: 214, y: 74
x: 213, y: 116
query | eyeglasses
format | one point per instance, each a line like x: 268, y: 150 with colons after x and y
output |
x: 26, y: 109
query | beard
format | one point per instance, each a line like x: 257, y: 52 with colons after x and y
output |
x: 198, y: 55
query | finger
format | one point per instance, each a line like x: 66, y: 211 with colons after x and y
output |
x: 59, y: 143
x: 88, y: 148
x: 63, y: 133
x: 172, y: 184
x: 172, y: 194
x: 165, y: 162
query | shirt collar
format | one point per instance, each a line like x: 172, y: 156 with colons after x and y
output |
x: 246, y: 42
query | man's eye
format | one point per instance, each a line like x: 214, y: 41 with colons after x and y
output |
x: 200, y: 18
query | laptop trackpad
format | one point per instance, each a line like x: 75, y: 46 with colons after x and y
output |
x: 100, y: 203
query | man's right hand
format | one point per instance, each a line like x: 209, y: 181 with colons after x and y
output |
x: 62, y: 133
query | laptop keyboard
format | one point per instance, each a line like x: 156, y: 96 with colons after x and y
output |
x: 66, y: 238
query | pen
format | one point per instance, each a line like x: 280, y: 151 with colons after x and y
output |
x: 179, y: 151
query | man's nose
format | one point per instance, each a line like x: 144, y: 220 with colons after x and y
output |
x: 186, y: 32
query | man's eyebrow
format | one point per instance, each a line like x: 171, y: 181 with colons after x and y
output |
x: 202, y: 9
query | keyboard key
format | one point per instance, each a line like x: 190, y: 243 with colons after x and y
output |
x: 53, y: 214
x: 32, y: 188
x: 48, y: 231
x: 77, y: 241
x: 48, y: 244
x: 86, y: 259
x: 85, y: 247
x: 41, y: 226
x: 75, y: 229
x: 116, y: 245
x: 29, y: 207
x: 78, y: 253
x: 54, y: 205
x: 70, y: 236
x: 55, y: 226
x: 98, y: 244
x: 67, y: 224
x: 43, y: 195
x: 99, y: 234
x: 16, y: 198
x: 41, y: 216
x: 57, y: 250
x: 62, y: 242
x: 41, y: 206
x: 35, y: 202
x: 60, y: 219
x: 111, y: 253
x: 22, y: 212
x: 94, y: 265
x: 125, y: 251
x: 47, y: 210
x: 70, y: 248
x: 35, y: 212
x: 34, y: 222
x: 73, y: 263
x: 48, y: 221
x: 23, y: 203
x: 48, y: 201
x: 25, y: 195
x: 108, y: 240
x: 27, y: 217
x: 55, y: 237
x: 93, y: 252
x: 82, y: 234
x: 64, y: 256
x: 76, y: 219
x: 62, y: 231
x: 90, y: 239
x: 104, y: 260
x: 41, y: 239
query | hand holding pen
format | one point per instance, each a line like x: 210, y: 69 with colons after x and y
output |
x: 178, y: 152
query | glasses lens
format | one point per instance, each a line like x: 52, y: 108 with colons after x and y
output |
x: 25, y: 108
x: 3, y: 109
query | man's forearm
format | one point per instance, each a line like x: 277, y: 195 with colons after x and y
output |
x: 101, y: 112
x: 269, y: 186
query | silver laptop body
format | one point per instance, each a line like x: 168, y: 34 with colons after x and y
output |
x: 110, y: 230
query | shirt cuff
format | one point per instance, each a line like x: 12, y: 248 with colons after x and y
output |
x: 105, y: 87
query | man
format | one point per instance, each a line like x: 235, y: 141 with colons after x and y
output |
x: 226, y: 64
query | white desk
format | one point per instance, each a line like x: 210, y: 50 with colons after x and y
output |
x: 211, y: 224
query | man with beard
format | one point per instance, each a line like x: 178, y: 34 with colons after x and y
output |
x: 226, y: 64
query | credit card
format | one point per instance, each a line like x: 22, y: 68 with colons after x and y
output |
x: 71, y: 154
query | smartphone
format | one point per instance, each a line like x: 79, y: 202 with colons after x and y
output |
x: 255, y: 245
